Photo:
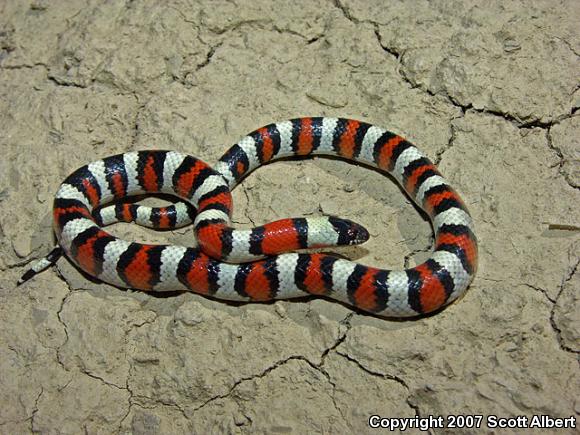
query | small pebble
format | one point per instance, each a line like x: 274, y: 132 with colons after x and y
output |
x: 511, y: 45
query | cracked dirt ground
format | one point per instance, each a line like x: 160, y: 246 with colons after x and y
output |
x: 490, y: 93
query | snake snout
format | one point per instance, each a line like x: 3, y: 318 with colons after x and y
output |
x: 358, y: 234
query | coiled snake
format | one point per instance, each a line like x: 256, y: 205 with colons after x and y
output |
x: 258, y: 264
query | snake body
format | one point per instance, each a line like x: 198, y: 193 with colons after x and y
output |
x: 258, y: 264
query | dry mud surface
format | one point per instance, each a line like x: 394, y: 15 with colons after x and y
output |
x: 490, y: 93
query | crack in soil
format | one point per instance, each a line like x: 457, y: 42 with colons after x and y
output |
x: 560, y: 155
x: 540, y: 290
x: 109, y: 384
x: 35, y: 410
x: 324, y: 355
x: 555, y: 327
x: 24, y: 66
x: 260, y: 375
x: 246, y: 214
x: 317, y: 367
x: 517, y: 122
x: 514, y: 120
x: 387, y: 376
x: 62, y: 322
x: 342, y: 8
x: 449, y: 145
x: 208, y: 56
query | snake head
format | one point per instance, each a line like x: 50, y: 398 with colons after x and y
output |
x: 349, y: 232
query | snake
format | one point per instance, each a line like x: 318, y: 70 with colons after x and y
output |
x: 271, y: 261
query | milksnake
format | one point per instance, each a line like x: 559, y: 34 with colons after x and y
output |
x: 258, y: 264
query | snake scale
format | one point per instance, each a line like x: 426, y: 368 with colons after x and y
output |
x: 259, y: 264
